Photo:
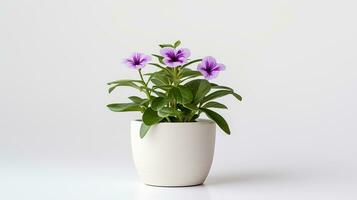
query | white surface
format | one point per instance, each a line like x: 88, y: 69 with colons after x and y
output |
x: 174, y: 154
x: 262, y: 181
x: 294, y: 63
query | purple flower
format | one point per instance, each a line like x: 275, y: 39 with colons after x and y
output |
x: 209, y: 68
x: 174, y: 57
x: 137, y: 60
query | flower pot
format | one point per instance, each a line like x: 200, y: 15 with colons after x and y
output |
x: 174, y: 154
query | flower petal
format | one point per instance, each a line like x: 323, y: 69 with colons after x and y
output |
x: 209, y: 68
x: 129, y: 62
x: 145, y: 59
x: 184, y: 52
x: 171, y: 63
x: 167, y: 52
x: 202, y: 69
x: 137, y: 60
x: 220, y: 67
x: 209, y: 61
x: 213, y: 75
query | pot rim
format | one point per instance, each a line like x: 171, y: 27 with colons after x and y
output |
x: 199, y: 121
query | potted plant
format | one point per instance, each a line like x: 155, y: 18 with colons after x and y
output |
x: 171, y: 145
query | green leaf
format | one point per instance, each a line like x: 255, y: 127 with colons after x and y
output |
x: 161, y: 77
x: 216, y: 94
x: 177, y: 43
x: 191, y: 107
x: 160, y: 94
x: 158, y: 103
x: 215, y: 86
x: 186, y: 94
x: 237, y: 96
x: 150, y: 117
x: 203, y: 88
x: 199, y: 88
x: 124, y: 107
x: 166, y: 45
x: 137, y: 100
x: 144, y: 129
x: 163, y: 87
x: 214, y: 104
x: 175, y: 94
x: 126, y: 83
x: 189, y: 73
x: 167, y: 111
x: 191, y: 62
x: 220, y: 93
x: 221, y: 122
x: 183, y: 109
x: 111, y: 89
x: 195, y: 116
x: 157, y: 82
x: 164, y: 77
x: 126, y: 80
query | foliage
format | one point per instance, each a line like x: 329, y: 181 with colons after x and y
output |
x: 174, y: 93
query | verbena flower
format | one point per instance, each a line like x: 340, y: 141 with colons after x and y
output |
x: 174, y: 57
x: 137, y: 60
x: 209, y: 68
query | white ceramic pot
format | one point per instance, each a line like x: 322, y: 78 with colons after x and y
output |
x: 174, y: 154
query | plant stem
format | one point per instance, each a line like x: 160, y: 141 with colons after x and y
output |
x: 176, y: 82
x: 145, y: 85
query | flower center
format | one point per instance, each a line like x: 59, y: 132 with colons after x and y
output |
x: 136, y: 60
x: 209, y: 69
x: 174, y: 59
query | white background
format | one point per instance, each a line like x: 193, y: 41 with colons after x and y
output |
x: 293, y: 136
